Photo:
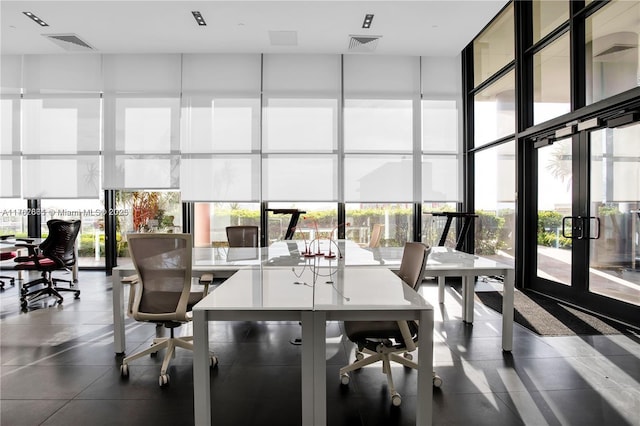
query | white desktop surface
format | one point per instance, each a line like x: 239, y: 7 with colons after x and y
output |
x: 442, y: 262
x: 311, y: 295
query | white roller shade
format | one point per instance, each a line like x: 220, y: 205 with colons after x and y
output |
x: 378, y: 178
x: 61, y: 176
x: 221, y: 74
x: 440, y: 180
x: 142, y: 172
x: 150, y: 73
x: 68, y: 73
x: 10, y: 74
x: 299, y: 178
x: 61, y: 125
x: 371, y: 75
x: 220, y: 178
x: 308, y: 74
x: 441, y: 77
x: 9, y: 176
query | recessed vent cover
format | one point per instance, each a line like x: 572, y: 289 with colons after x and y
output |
x: 363, y: 43
x: 69, y: 42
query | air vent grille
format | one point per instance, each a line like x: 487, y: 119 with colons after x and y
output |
x: 363, y: 43
x: 69, y: 42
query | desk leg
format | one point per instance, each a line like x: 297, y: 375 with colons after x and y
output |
x: 507, y: 310
x: 118, y: 314
x: 424, y: 414
x: 468, y: 292
x: 201, y: 378
x: 441, y: 282
x: 314, y: 386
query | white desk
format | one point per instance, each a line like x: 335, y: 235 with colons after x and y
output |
x: 442, y: 262
x: 446, y: 262
x: 278, y: 293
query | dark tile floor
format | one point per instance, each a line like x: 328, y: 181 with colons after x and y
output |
x: 58, y: 368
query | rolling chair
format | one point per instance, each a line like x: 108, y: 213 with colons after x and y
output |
x: 56, y: 252
x: 6, y: 255
x: 161, y: 292
x: 385, y: 340
x: 242, y: 236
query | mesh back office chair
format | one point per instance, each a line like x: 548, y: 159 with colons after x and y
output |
x: 4, y: 256
x: 161, y: 292
x: 242, y: 236
x: 385, y: 340
x: 56, y: 252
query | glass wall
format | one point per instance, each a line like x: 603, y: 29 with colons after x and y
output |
x: 612, y: 50
x: 212, y: 219
x: 146, y: 211
x: 547, y: 16
x: 495, y: 202
x: 552, y: 80
x: 495, y: 110
x: 494, y: 48
x: 395, y: 222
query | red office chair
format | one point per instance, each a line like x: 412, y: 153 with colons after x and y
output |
x: 6, y: 255
x: 55, y: 253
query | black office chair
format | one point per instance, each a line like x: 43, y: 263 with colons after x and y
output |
x: 242, y: 236
x: 385, y: 340
x: 55, y: 253
x: 162, y: 292
x: 4, y: 256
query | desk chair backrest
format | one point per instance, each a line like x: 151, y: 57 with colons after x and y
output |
x: 242, y: 236
x: 413, y: 263
x: 163, y: 264
x: 59, y: 244
x: 376, y: 235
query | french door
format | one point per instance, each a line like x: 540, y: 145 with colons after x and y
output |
x: 587, y: 215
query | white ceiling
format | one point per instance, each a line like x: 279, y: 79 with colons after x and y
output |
x: 426, y: 28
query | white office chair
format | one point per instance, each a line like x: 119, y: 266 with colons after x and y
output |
x: 162, y: 293
x: 385, y: 340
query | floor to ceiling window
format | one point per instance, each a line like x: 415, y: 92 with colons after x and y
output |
x: 569, y: 98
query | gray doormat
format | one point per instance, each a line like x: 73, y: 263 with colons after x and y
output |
x: 548, y: 317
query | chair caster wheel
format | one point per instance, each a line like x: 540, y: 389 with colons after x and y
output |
x: 23, y: 306
x: 124, y: 370
x: 76, y: 295
x: 163, y: 380
x: 344, y: 379
x: 396, y: 400
x: 437, y: 381
x: 213, y: 361
x: 408, y: 356
x: 359, y: 356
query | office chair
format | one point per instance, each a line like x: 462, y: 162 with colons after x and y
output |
x: 161, y: 292
x: 56, y: 252
x: 242, y: 236
x: 385, y: 340
x: 6, y: 255
x: 376, y: 237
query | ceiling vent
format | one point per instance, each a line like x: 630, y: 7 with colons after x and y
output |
x: 70, y: 42
x: 363, y: 43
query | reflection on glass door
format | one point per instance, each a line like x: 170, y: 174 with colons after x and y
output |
x: 614, y: 257
x: 554, y: 207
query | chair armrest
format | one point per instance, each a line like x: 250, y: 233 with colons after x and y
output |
x: 406, y: 336
x: 6, y: 237
x: 132, y: 280
x: 205, y: 280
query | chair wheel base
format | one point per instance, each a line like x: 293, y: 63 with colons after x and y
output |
x: 163, y: 380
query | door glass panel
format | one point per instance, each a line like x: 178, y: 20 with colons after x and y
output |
x: 554, y: 203
x: 614, y: 257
